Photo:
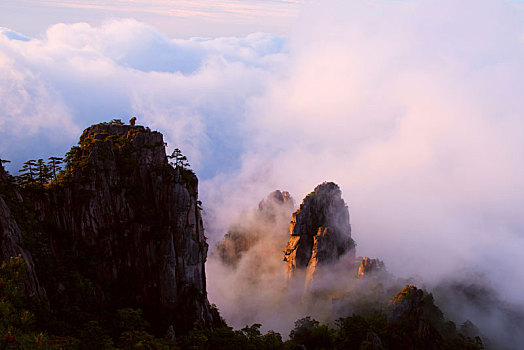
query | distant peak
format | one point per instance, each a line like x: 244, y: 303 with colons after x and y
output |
x: 279, y: 196
x: 327, y: 187
x: 276, y: 199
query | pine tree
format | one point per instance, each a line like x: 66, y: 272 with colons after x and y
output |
x: 116, y: 122
x: 28, y: 173
x: 70, y: 157
x: 179, y: 160
x: 54, y: 165
x: 43, y: 173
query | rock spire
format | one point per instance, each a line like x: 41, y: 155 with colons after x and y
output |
x: 320, y: 231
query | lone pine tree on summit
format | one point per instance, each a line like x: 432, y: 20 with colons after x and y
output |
x: 179, y: 160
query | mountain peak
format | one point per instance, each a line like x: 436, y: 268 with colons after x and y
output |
x: 129, y: 224
x: 320, y: 231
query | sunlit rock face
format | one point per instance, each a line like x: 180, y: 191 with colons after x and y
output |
x: 272, y: 214
x: 11, y: 241
x: 130, y: 224
x: 320, y: 232
x: 370, y: 267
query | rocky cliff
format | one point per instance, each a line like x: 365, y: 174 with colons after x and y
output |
x: 121, y: 227
x: 370, y: 267
x: 11, y: 241
x: 320, y: 231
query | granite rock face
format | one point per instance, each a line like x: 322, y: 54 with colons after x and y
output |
x: 11, y: 241
x: 320, y: 231
x: 370, y: 267
x: 128, y: 225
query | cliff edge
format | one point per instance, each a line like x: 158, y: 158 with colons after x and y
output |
x: 121, y: 227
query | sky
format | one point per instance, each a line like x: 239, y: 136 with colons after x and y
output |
x: 178, y: 18
x: 414, y: 108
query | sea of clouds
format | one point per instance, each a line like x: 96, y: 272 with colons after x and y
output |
x: 193, y: 90
x: 415, y: 108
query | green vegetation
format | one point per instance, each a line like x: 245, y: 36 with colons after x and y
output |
x: 180, y: 163
x: 27, y: 175
x: 72, y: 322
x: 127, y: 329
x: 354, y: 332
x: 178, y: 160
x: 249, y: 338
x: 114, y: 122
x: 36, y: 174
x: 68, y: 326
x: 17, y: 323
x: 20, y: 329
x: 54, y: 165
x: 40, y: 175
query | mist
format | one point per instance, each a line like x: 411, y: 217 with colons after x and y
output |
x: 74, y: 75
x: 420, y: 128
x: 249, y: 269
x: 415, y: 110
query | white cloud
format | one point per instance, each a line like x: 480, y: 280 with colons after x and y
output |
x: 191, y: 89
x: 415, y: 109
x: 30, y: 108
